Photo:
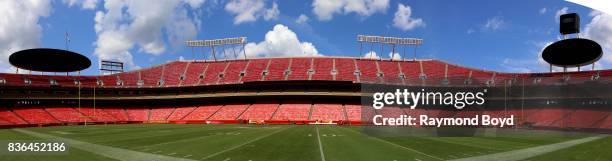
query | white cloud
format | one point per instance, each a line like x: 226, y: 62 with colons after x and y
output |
x: 272, y: 13
x: 281, y: 42
x: 494, y: 23
x: 599, y: 30
x: 19, y: 27
x: 125, y: 24
x: 251, y: 10
x: 560, y: 12
x: 543, y: 10
x: 395, y: 56
x: 403, y: 21
x: 325, y: 9
x: 374, y: 55
x: 371, y: 55
x: 85, y: 4
x: 302, y: 19
x: 195, y: 3
x: 599, y: 5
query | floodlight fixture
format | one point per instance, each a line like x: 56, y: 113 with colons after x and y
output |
x: 219, y: 42
x: 393, y: 41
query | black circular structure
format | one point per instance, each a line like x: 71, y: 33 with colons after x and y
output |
x: 572, y: 52
x: 49, y: 60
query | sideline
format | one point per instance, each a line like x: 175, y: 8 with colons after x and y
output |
x: 522, y: 154
x: 103, y: 150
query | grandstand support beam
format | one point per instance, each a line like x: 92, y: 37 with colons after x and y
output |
x: 392, y: 51
x: 244, y: 51
x: 371, y: 48
x: 213, y: 53
x: 415, y: 51
x: 234, y: 51
x: 550, y: 68
x: 192, y: 53
x: 382, y: 50
x: 360, y: 49
x: 404, y: 53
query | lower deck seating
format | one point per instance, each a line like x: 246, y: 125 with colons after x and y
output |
x: 36, y: 115
x: 296, y: 112
x: 97, y: 114
x: 229, y: 112
x: 180, y: 113
x: 262, y: 111
x: 292, y: 112
x: 67, y: 114
x: 118, y: 113
x: 353, y: 112
x: 327, y: 112
x: 202, y: 112
x: 138, y: 114
x: 545, y: 117
x: 10, y: 118
x: 160, y: 114
x: 583, y: 118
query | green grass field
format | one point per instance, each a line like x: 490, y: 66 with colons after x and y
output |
x: 293, y: 143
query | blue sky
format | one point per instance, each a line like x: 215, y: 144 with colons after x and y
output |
x: 494, y: 35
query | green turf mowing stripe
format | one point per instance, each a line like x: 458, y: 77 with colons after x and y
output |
x: 182, y: 139
x: 107, y: 151
x: 240, y: 145
x: 149, y: 139
x: 397, y: 145
x: 531, y: 152
x: 296, y: 144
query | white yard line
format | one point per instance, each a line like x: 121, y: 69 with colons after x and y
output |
x: 107, y: 151
x: 320, y: 145
x: 522, y: 154
x: 240, y: 145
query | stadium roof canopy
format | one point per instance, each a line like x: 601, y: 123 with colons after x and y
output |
x: 49, y: 60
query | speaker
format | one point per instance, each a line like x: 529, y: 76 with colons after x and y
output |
x: 569, y: 23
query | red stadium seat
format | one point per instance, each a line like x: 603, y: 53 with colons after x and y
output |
x: 322, y: 68
x: 10, y: 118
x: 328, y: 112
x: 292, y: 112
x: 160, y: 114
x: 138, y: 114
x: 277, y: 68
x: 180, y: 113
x: 173, y: 72
x: 229, y: 112
x: 35, y: 115
x: 260, y: 111
x: 202, y: 112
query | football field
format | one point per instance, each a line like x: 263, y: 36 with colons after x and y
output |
x: 297, y: 143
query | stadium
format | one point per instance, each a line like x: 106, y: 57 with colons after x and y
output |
x: 174, y: 100
x: 306, y: 108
